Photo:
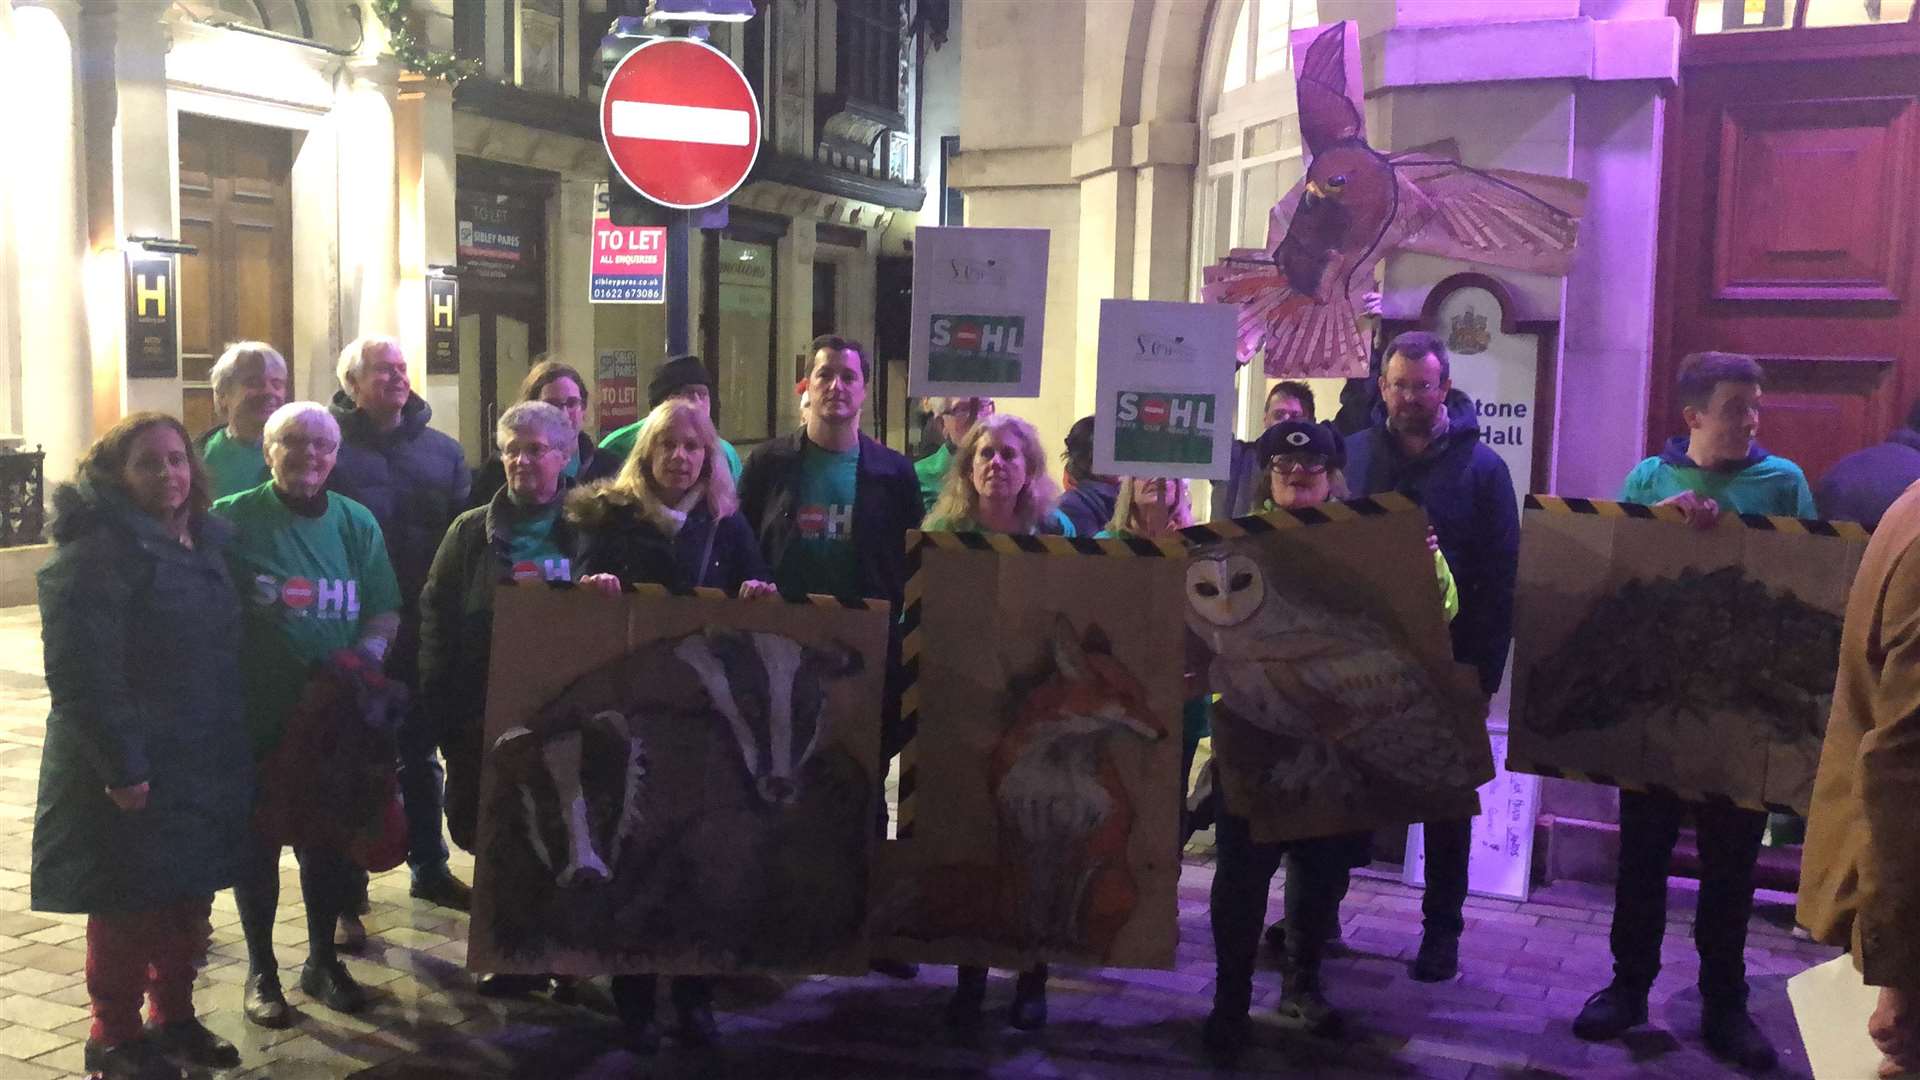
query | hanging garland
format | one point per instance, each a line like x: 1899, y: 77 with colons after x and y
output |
x: 413, y: 55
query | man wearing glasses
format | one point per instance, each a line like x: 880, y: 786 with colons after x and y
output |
x: 1427, y: 447
x: 956, y: 416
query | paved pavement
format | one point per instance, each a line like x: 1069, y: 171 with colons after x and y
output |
x: 1526, y: 968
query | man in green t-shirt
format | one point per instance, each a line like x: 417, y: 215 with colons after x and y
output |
x: 956, y: 419
x: 683, y: 377
x: 249, y: 383
x: 1717, y: 465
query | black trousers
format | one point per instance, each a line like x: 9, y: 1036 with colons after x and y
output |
x: 326, y: 884
x: 633, y: 995
x: 1448, y: 846
x: 1729, y: 845
x: 1242, y: 878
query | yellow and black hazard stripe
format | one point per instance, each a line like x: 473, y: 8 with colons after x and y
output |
x: 911, y: 612
x: 1685, y: 794
x: 1274, y: 521
x: 649, y: 589
x: 1844, y: 530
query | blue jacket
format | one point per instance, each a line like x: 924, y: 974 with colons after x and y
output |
x: 1863, y: 484
x: 415, y: 480
x: 142, y: 639
x: 1468, y: 496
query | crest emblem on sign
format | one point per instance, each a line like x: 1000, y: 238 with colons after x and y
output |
x: 1467, y: 333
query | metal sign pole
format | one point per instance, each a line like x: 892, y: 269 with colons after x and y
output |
x: 679, y: 230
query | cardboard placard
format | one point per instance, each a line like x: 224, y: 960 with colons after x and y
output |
x: 1341, y: 708
x: 1041, y: 823
x: 979, y: 309
x: 677, y: 784
x: 1655, y: 655
x: 1165, y: 394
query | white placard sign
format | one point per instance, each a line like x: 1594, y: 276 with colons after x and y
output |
x: 1501, y: 863
x: 1164, y: 397
x: 979, y: 309
x: 1499, y: 371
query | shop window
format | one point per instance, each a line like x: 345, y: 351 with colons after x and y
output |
x: 868, y: 45
x: 743, y: 358
x: 1742, y: 16
x: 537, y: 45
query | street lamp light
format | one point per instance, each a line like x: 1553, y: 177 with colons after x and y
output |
x: 700, y: 11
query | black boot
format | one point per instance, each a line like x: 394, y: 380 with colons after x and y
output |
x: 963, y: 1008
x: 1226, y: 1035
x: 1439, y: 957
x: 633, y: 1000
x: 693, y: 1001
x: 135, y: 1059
x: 327, y: 982
x: 1733, y: 1037
x: 439, y: 886
x: 263, y: 1002
x: 1029, y: 1009
x: 1611, y: 1013
x: 188, y: 1042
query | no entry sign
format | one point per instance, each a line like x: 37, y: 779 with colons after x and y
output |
x: 680, y: 123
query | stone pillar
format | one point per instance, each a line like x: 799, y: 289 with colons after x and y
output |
x: 369, y: 198
x: 423, y: 140
x: 10, y: 62
x: 48, y: 222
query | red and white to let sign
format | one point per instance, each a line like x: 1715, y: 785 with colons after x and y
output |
x: 629, y: 261
x: 680, y: 123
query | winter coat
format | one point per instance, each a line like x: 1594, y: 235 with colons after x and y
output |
x: 1860, y: 869
x: 142, y: 639
x: 414, y: 479
x: 1469, y: 499
x: 886, y: 504
x: 1089, y: 504
x: 1863, y: 484
x: 617, y: 538
x: 456, y: 639
x: 595, y: 465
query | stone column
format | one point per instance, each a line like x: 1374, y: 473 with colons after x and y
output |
x: 369, y: 197
x: 48, y: 220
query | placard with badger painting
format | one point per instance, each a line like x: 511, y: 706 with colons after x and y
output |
x: 677, y: 784
x: 1040, y: 795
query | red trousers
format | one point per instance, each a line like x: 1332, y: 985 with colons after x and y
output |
x: 143, y: 954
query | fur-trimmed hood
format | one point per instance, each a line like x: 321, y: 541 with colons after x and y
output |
x: 80, y: 509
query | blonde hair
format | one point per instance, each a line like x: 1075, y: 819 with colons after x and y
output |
x: 1180, y: 518
x: 958, y: 506
x: 636, y: 479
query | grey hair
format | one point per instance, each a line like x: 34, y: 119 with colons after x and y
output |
x: 308, y: 414
x: 539, y: 418
x: 353, y: 358
x: 227, y: 369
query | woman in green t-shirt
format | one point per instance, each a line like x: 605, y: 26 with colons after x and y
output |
x: 314, y: 570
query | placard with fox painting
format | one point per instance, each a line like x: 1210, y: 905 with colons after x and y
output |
x: 677, y: 784
x: 1040, y: 796
x: 1340, y: 706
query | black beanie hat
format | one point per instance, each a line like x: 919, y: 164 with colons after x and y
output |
x: 675, y: 374
x: 1302, y: 437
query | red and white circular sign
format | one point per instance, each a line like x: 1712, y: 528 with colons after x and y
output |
x: 680, y: 122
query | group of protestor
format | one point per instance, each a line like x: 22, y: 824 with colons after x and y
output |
x: 203, y: 589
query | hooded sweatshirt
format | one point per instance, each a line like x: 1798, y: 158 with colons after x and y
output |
x: 1468, y: 495
x: 1760, y: 483
x: 1863, y: 484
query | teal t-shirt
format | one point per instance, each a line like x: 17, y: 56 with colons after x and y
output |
x: 620, y: 441
x: 309, y: 584
x: 531, y: 548
x: 1771, y: 485
x: 233, y: 466
x: 821, y: 558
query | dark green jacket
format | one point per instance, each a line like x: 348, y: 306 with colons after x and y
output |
x: 456, y: 636
x: 142, y: 640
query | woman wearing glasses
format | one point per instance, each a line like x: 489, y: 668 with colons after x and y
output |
x: 1304, y: 466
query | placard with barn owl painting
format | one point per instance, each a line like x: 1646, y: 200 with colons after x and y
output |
x: 677, y: 784
x: 1340, y: 707
x: 1040, y: 795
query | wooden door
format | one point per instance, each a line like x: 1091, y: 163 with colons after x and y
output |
x: 236, y: 206
x: 1790, y: 233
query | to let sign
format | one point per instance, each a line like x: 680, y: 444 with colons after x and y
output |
x: 629, y: 261
x: 153, y: 321
x: 443, y: 326
x: 616, y: 389
x: 680, y: 123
